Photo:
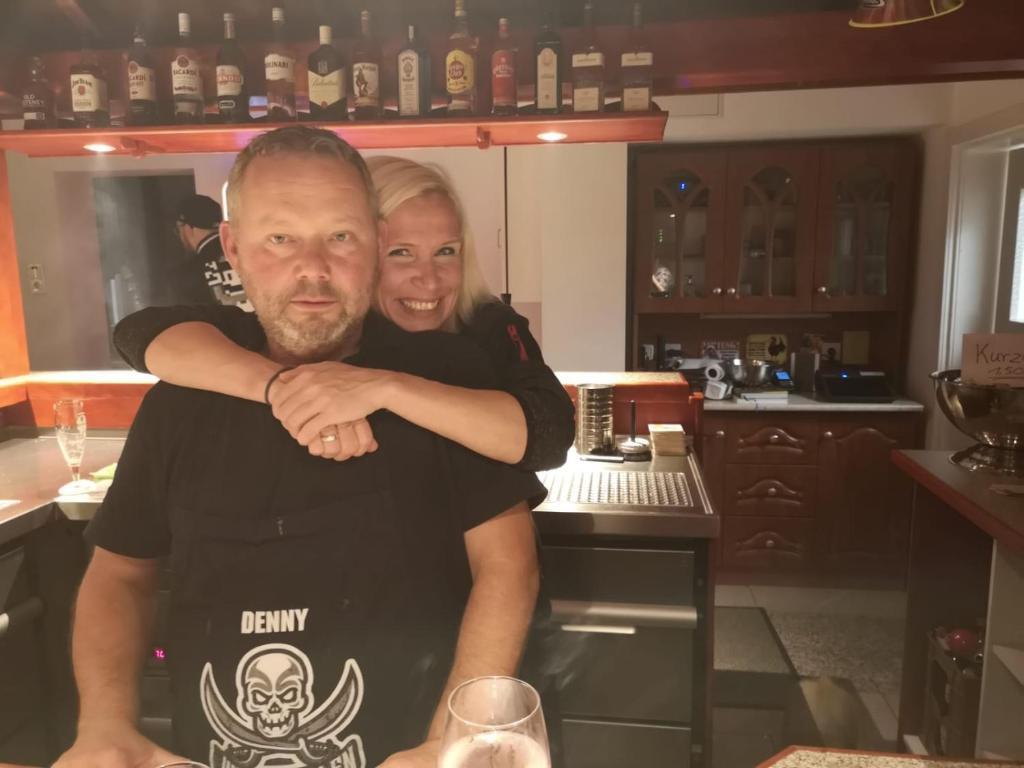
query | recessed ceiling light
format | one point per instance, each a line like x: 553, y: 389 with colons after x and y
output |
x: 100, y: 148
x: 552, y: 136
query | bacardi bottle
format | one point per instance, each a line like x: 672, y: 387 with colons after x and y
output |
x: 186, y: 79
x: 504, y: 99
x: 142, y: 104
x: 548, y: 52
x: 37, y: 98
x: 588, y: 68
x: 413, y: 77
x: 637, y: 68
x: 327, y: 80
x: 279, y: 64
x: 366, y: 73
x: 232, y: 94
x: 460, y: 66
x: 89, y: 91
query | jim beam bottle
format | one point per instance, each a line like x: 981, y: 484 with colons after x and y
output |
x: 37, y: 98
x: 89, y: 91
x: 186, y: 79
x: 366, y: 73
x: 142, y: 105
x: 279, y: 65
x: 327, y: 80
x: 548, y: 52
x: 413, y: 77
x: 503, y: 74
x: 588, y: 68
x: 637, y: 68
x: 460, y: 66
x: 232, y: 95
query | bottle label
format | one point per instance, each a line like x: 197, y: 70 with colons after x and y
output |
x: 645, y: 59
x: 636, y: 99
x: 229, y: 80
x: 327, y: 90
x: 366, y: 83
x: 88, y: 93
x: 460, y: 74
x: 547, y: 80
x: 280, y: 67
x: 409, y: 83
x: 185, y: 79
x: 141, y: 82
x: 595, y: 59
x: 586, y: 99
x: 503, y: 79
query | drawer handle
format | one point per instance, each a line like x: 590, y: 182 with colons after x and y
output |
x: 774, y: 438
x: 628, y: 615
x: 719, y: 433
x: 770, y: 544
x: 827, y: 435
x: 599, y: 629
x: 773, y: 491
x: 23, y: 613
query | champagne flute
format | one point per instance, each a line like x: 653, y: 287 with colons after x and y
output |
x: 69, y: 428
x: 494, y: 722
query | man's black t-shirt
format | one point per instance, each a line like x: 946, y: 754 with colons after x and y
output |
x: 315, y: 604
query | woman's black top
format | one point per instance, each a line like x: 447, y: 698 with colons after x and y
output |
x: 502, y: 333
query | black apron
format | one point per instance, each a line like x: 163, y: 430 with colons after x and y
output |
x: 304, y: 639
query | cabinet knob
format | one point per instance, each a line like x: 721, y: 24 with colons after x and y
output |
x: 731, y: 291
x: 773, y: 491
x: 770, y: 544
x: 823, y: 290
x: 773, y: 438
x: 719, y: 433
x: 716, y: 291
x: 827, y: 435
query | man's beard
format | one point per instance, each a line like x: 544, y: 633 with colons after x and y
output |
x: 314, y: 336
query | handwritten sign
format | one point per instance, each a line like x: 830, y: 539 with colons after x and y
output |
x: 993, y: 358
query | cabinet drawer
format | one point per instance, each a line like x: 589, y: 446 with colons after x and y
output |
x: 770, y: 490
x: 767, y: 543
x: 596, y: 744
x: 618, y: 575
x: 770, y: 439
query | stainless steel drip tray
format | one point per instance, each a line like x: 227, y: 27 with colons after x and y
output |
x: 637, y: 491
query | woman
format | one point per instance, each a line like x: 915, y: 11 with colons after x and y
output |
x: 428, y: 280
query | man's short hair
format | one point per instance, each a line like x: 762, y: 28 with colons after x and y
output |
x: 300, y: 140
x: 199, y: 211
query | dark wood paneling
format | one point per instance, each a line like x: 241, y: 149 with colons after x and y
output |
x: 768, y: 543
x: 770, y: 491
x: 772, y: 439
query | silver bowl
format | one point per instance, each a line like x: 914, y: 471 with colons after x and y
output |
x: 749, y: 373
x: 991, y: 414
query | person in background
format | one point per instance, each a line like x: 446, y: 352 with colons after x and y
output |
x: 428, y: 279
x: 198, y: 227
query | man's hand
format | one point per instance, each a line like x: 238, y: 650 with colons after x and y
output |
x: 352, y: 439
x: 113, y: 746
x: 423, y: 756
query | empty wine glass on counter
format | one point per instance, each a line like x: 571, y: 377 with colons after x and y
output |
x: 69, y: 428
x: 494, y: 722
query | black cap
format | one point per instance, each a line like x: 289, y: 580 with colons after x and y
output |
x: 200, y: 211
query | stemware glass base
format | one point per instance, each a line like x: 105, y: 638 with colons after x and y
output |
x: 77, y: 488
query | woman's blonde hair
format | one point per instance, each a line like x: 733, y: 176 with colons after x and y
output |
x: 398, y: 180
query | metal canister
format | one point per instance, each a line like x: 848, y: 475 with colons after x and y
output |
x: 594, y: 430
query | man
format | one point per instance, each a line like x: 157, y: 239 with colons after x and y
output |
x: 320, y: 611
x: 198, y: 226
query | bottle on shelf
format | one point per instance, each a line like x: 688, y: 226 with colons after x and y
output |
x: 186, y: 80
x: 232, y: 94
x: 37, y: 98
x: 548, y: 51
x: 414, y: 98
x: 504, y: 100
x: 637, y: 67
x: 460, y: 66
x: 89, y: 90
x: 588, y: 68
x: 366, y: 73
x: 279, y: 65
x: 327, y: 80
x: 142, y: 103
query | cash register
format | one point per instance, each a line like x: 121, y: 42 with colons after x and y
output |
x: 852, y: 385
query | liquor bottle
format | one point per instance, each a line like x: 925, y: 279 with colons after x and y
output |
x: 232, y: 95
x: 503, y: 74
x: 279, y: 65
x: 548, y: 51
x: 327, y: 80
x: 366, y: 73
x: 37, y: 98
x: 89, y: 91
x: 142, y: 109
x: 588, y: 68
x: 637, y: 68
x: 186, y: 82
x: 413, y: 78
x: 460, y: 66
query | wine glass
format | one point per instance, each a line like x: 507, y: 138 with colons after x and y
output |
x: 69, y: 427
x: 494, y: 722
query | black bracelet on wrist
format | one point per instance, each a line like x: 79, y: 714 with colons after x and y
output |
x: 266, y: 390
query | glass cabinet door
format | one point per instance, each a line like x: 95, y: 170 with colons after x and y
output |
x: 767, y: 230
x: 860, y: 241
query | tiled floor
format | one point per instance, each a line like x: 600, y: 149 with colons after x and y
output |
x: 841, y: 633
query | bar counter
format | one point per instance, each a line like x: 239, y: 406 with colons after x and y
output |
x: 810, y: 757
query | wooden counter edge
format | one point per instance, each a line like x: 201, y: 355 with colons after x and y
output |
x: 788, y: 751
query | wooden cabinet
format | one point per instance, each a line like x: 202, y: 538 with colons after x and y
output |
x: 809, y: 496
